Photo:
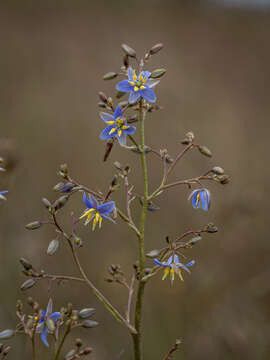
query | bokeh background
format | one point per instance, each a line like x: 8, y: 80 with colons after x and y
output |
x: 53, y: 57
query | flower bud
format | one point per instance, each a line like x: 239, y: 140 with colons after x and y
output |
x: 70, y: 354
x: 86, y: 313
x: 53, y: 246
x: 224, y: 179
x: 102, y: 97
x: 33, y: 225
x: 156, y: 48
x: 218, y: 170
x: 78, y: 342
x: 110, y: 75
x: 28, y: 284
x: 89, y: 324
x: 211, y: 228
x: 26, y: 264
x: 64, y: 168
x: 158, y: 73
x: 61, y: 202
x: 46, y: 203
x: 6, y: 334
x: 153, y: 253
x: 128, y: 50
x: 204, y: 150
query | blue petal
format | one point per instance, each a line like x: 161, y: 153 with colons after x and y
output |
x: 43, y: 313
x: 105, y: 134
x: 134, y: 96
x: 193, y: 197
x: 146, y: 75
x: 3, y: 191
x: 122, y: 139
x: 159, y: 263
x: 187, y: 265
x: 55, y: 316
x: 44, y: 335
x: 148, y: 94
x: 106, y: 117
x: 130, y: 130
x: 118, y: 112
x: 205, y: 199
x: 49, y: 307
x: 90, y: 202
x: 124, y: 86
x: 176, y: 259
x: 106, y: 208
x: 107, y: 217
x: 130, y: 74
x: 170, y: 260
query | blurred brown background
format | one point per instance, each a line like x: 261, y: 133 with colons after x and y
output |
x: 53, y: 56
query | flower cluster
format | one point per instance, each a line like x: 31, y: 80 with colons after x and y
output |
x: 172, y: 266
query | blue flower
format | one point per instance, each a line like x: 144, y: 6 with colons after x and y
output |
x: 96, y: 211
x: 46, y: 321
x: 2, y: 194
x: 138, y: 86
x: 117, y: 126
x: 172, y: 266
x: 200, y: 198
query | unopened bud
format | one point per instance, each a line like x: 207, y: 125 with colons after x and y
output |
x: 64, y: 168
x: 224, y: 179
x: 33, y: 225
x: 86, y: 313
x: 53, y: 246
x: 155, y: 49
x: 204, y: 150
x: 211, y: 228
x: 153, y: 253
x: 158, y: 73
x: 26, y: 264
x: 218, y: 170
x: 102, y: 96
x: 46, y: 203
x: 61, y: 202
x: 6, y: 334
x: 28, y: 284
x: 128, y: 50
x: 110, y: 75
x: 89, y: 324
x: 78, y: 342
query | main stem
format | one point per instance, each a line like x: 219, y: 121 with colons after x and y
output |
x: 137, y: 338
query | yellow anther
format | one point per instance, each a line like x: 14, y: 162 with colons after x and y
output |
x: 134, y: 76
x: 94, y: 223
x: 112, y: 131
x: 119, y: 132
x: 141, y: 77
x: 132, y: 83
x: 166, y: 272
x: 110, y: 122
x: 119, y: 121
x: 143, y: 81
x: 180, y: 275
x: 197, y: 198
x: 125, y: 127
x: 87, y: 213
x: 100, y: 221
x: 136, y: 88
x: 172, y: 274
x: 142, y: 87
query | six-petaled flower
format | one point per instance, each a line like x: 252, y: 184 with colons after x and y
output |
x: 116, y: 126
x: 2, y: 194
x: 172, y: 266
x: 138, y: 86
x: 200, y: 198
x: 45, y: 321
x: 96, y: 211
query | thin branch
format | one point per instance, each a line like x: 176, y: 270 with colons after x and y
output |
x: 130, y: 294
x: 172, y: 350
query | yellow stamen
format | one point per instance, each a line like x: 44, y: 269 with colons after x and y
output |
x: 172, y: 274
x: 132, y: 83
x: 141, y: 78
x: 100, y: 221
x: 166, y: 272
x: 180, y: 275
x: 112, y: 131
x: 136, y: 88
x: 119, y: 133
x: 142, y: 87
x: 94, y: 223
x: 134, y: 76
x: 125, y: 127
x: 197, y: 198
x: 110, y: 122
x: 143, y: 81
x: 87, y: 213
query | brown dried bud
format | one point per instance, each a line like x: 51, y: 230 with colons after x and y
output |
x: 128, y: 50
x: 102, y: 97
x: 153, y: 253
x: 110, y: 75
x: 78, y: 342
x: 26, y: 264
x: 156, y: 48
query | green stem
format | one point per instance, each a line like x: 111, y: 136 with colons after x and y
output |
x: 62, y: 342
x: 137, y: 338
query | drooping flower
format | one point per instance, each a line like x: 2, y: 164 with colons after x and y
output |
x: 116, y: 126
x: 200, y: 198
x: 96, y: 211
x: 138, y: 86
x: 2, y: 194
x: 172, y: 266
x: 46, y: 322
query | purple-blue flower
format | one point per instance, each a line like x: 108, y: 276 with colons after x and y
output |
x: 96, y: 211
x: 138, y: 86
x: 2, y: 194
x: 116, y: 126
x: 200, y: 198
x: 46, y: 322
x: 172, y: 266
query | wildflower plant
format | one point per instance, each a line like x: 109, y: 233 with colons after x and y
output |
x: 138, y: 83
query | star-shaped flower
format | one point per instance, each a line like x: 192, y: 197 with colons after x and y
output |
x: 116, y: 126
x: 96, y: 211
x: 138, y: 86
x: 200, y: 198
